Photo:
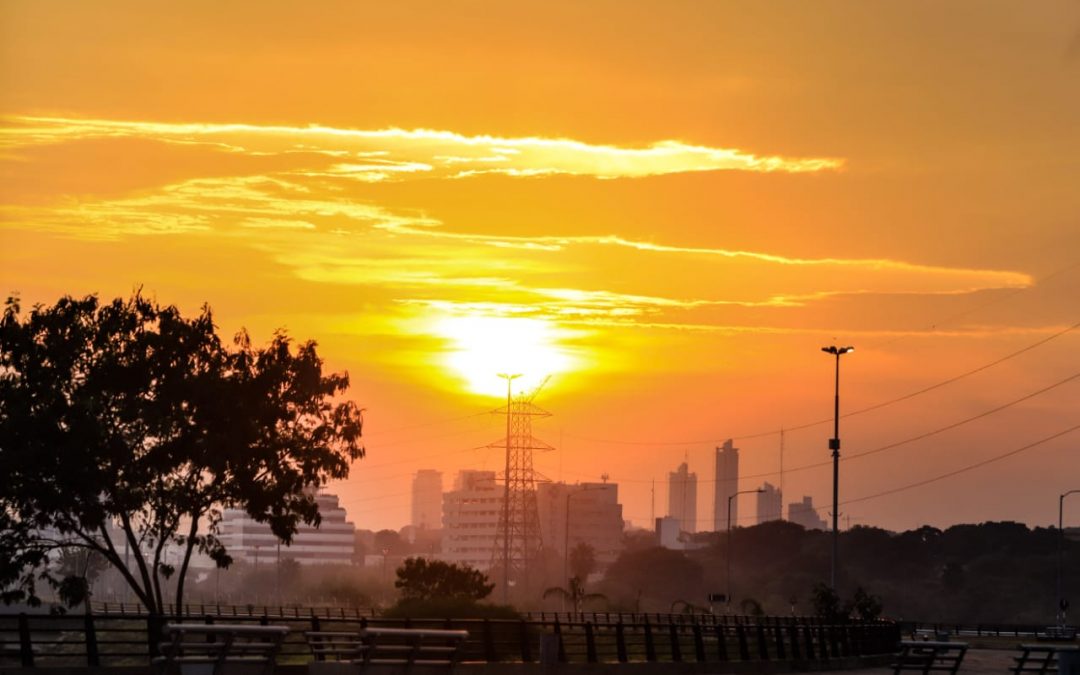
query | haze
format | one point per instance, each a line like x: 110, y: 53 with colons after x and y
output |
x: 668, y: 208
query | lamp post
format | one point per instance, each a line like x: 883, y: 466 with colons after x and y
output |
x: 1061, y: 542
x: 566, y: 532
x: 729, y: 500
x: 506, y: 493
x: 834, y: 445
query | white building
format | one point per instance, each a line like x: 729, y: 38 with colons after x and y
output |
x: 332, y: 542
x: 470, y: 519
x: 770, y: 504
x: 682, y: 497
x: 595, y: 518
x: 427, y: 500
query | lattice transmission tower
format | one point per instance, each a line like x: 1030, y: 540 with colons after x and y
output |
x: 518, y: 538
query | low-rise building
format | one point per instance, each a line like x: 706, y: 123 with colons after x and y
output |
x: 333, y: 541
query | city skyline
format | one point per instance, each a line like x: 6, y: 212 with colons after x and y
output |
x: 665, y: 209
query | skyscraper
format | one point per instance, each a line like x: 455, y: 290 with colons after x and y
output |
x: 727, y: 484
x: 427, y: 499
x: 803, y: 513
x: 682, y: 497
x: 770, y: 504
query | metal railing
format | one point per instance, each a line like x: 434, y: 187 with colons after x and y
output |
x: 130, y: 639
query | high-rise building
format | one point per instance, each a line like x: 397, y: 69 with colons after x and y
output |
x: 770, y: 504
x: 595, y: 518
x: 727, y: 484
x: 471, y: 518
x: 682, y: 497
x: 427, y: 499
x: 334, y: 541
x: 803, y: 513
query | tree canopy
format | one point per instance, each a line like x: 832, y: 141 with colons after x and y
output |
x: 422, y: 579
x: 126, y: 427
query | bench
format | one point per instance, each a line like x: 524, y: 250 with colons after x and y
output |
x: 929, y: 655
x: 1039, y: 658
x: 219, y: 649
x: 405, y: 647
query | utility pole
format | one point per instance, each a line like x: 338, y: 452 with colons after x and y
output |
x: 1062, y: 603
x: 834, y: 445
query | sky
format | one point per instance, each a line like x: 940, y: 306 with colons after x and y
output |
x: 656, y: 212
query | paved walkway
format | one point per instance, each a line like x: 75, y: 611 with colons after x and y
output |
x: 976, y: 661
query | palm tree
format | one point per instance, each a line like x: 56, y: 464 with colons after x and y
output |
x: 575, y: 594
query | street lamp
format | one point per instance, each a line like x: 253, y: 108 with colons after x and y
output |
x: 729, y: 500
x: 1061, y: 542
x: 506, y: 494
x: 834, y: 445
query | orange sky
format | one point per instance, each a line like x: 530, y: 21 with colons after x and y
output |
x: 668, y: 207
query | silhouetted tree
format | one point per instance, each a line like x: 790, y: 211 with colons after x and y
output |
x: 826, y: 602
x: 422, y: 579
x: 128, y: 417
x: 866, y: 606
x: 574, y: 593
x: 582, y: 561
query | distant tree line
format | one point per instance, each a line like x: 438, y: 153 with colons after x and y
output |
x: 992, y: 572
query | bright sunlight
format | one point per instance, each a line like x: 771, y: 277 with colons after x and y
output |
x: 483, y: 347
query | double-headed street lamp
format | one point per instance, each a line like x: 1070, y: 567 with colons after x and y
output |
x: 834, y: 445
x: 1061, y: 542
x: 730, y: 498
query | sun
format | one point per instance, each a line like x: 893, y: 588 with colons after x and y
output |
x: 483, y: 347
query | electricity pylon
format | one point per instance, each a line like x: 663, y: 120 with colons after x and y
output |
x: 518, y: 538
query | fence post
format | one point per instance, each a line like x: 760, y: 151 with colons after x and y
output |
x: 562, y: 645
x: 781, y: 652
x: 744, y: 648
x: 526, y: 648
x: 590, y: 643
x: 699, y: 643
x: 153, y: 635
x: 793, y: 637
x: 676, y: 651
x: 823, y: 643
x: 489, y: 643
x: 92, y: 658
x: 650, y: 646
x: 808, y: 640
x: 26, y: 647
x: 762, y: 642
x: 721, y: 641
x: 620, y: 641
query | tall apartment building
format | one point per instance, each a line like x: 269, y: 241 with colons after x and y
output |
x: 803, y: 513
x: 471, y: 518
x: 727, y: 484
x: 595, y: 518
x: 682, y: 497
x: 770, y: 504
x: 332, y: 542
x: 427, y: 500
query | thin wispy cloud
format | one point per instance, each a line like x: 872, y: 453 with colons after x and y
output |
x: 424, y: 152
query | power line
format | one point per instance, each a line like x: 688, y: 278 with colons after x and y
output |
x: 860, y: 411
x: 432, y: 423
x: 963, y: 469
x: 905, y: 441
x: 954, y: 472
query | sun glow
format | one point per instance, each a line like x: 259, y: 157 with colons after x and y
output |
x: 483, y: 347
